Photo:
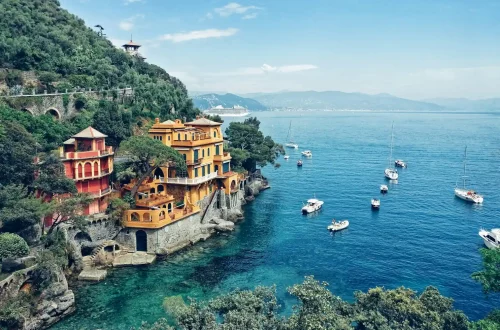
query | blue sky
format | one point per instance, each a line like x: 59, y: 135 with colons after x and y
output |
x: 416, y: 49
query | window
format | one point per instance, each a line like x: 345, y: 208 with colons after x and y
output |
x: 225, y: 167
x: 208, y: 169
x: 169, y: 137
x: 196, y: 172
x: 203, y: 153
x: 217, y: 147
x: 196, y: 155
x: 185, y: 136
x: 184, y: 155
x: 208, y: 150
x: 203, y: 171
x: 215, y: 133
x: 179, y: 136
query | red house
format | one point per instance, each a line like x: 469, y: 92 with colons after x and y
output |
x: 89, y: 162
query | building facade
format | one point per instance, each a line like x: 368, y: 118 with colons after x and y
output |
x: 89, y: 162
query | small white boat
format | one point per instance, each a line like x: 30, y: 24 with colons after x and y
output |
x: 286, y: 157
x: 289, y: 138
x: 390, y: 172
x: 491, y: 238
x: 299, y: 163
x: 464, y: 193
x: 375, y: 204
x: 338, y: 226
x: 469, y: 195
x: 384, y: 189
x: 400, y: 163
x: 307, y: 153
x: 312, y: 205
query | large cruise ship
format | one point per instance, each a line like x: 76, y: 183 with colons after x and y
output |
x: 236, y: 111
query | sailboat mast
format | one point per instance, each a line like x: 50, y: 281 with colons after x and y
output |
x: 289, y: 129
x: 465, y: 165
x: 392, y: 139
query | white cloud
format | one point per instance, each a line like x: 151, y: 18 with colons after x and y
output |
x: 266, y: 68
x: 129, y: 23
x: 200, y: 34
x: 128, y: 2
x: 234, y: 8
x: 250, y: 16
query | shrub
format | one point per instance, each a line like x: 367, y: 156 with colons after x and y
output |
x: 12, y: 246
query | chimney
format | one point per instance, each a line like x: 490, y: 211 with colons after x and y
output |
x: 157, y: 120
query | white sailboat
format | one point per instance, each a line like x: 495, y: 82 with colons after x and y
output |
x: 391, y: 173
x: 464, y: 193
x: 289, y: 138
x: 491, y: 238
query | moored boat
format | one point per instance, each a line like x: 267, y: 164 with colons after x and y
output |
x: 286, y: 157
x: 384, y: 189
x: 338, y: 225
x: 290, y: 142
x: 465, y: 193
x: 491, y: 238
x: 307, y: 153
x: 299, y: 163
x: 375, y: 204
x: 312, y: 205
x: 400, y: 163
x: 391, y: 173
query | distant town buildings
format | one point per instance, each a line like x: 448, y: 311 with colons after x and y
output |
x: 133, y: 49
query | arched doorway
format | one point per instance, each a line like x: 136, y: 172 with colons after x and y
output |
x: 141, y: 241
x: 216, y: 169
x: 158, y: 173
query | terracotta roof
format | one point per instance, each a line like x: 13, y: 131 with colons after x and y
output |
x: 203, y: 122
x: 131, y: 43
x: 69, y: 141
x: 90, y: 133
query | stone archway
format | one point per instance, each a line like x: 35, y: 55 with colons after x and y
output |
x: 54, y: 113
x: 26, y: 110
x: 141, y: 241
x: 233, y: 185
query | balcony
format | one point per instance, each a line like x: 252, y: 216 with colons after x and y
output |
x: 195, y: 142
x: 188, y: 181
x: 87, y: 154
x: 222, y: 158
x: 195, y: 162
x: 100, y: 193
x: 154, y: 219
x: 89, y: 175
x: 154, y: 200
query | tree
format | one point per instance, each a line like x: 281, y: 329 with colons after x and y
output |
x: 247, y: 137
x: 69, y: 210
x: 17, y: 152
x: 490, y: 322
x: 489, y: 276
x: 51, y: 179
x: 113, y: 122
x: 19, y: 209
x: 12, y: 246
x: 144, y: 156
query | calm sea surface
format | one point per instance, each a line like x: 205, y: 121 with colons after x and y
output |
x: 422, y: 235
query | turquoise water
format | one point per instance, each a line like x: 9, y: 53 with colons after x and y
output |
x: 421, y: 236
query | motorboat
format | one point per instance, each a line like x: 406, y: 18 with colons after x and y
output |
x: 289, y: 138
x: 307, y: 153
x: 312, y: 205
x: 400, y: 163
x: 375, y: 204
x: 286, y: 157
x: 469, y: 195
x: 299, y: 163
x: 491, y: 238
x: 465, y: 193
x: 391, y: 173
x: 338, y: 225
x: 384, y: 189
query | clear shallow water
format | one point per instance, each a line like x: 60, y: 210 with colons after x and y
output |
x: 421, y: 236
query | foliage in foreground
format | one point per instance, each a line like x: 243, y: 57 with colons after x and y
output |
x: 489, y: 275
x: 12, y: 246
x: 318, y: 308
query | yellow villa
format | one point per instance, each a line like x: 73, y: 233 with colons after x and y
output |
x: 168, y: 196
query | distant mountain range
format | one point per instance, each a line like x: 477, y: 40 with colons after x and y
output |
x: 208, y: 101
x: 466, y: 104
x: 339, y: 100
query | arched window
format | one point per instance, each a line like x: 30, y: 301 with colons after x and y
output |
x: 134, y: 217
x: 162, y: 215
x: 160, y: 188
x: 87, y: 168
x: 216, y: 168
x: 169, y: 209
x: 146, y: 217
x: 215, y: 134
x: 179, y: 136
x: 80, y: 171
x: 152, y: 191
x: 96, y: 168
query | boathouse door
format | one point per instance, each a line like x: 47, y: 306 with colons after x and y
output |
x: 141, y: 241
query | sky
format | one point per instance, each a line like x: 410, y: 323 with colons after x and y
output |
x: 417, y: 49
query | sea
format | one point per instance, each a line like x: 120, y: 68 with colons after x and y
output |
x: 421, y: 236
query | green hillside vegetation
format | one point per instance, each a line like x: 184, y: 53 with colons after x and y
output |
x: 41, y: 36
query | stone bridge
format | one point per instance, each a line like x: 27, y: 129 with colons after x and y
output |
x: 65, y: 104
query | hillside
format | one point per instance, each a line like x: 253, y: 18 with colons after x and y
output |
x: 207, y: 101
x: 466, y: 104
x: 340, y: 100
x: 38, y: 35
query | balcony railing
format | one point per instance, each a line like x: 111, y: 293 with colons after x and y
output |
x: 89, y: 175
x: 87, y: 154
x: 224, y: 156
x: 101, y: 192
x: 195, y: 162
x: 189, y: 181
